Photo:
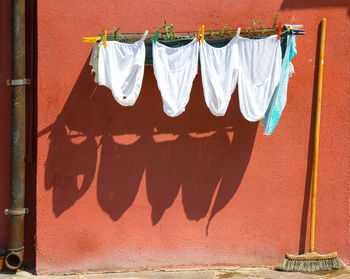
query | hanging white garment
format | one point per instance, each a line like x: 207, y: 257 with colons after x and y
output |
x: 175, y: 70
x: 94, y: 60
x: 120, y: 68
x: 259, y: 74
x: 219, y: 69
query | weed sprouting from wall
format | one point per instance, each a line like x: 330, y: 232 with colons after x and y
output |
x: 256, y: 28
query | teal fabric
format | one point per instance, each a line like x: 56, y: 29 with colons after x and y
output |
x: 279, y: 98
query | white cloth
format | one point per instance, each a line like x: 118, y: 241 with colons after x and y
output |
x: 259, y: 74
x: 219, y: 68
x: 120, y: 68
x: 94, y: 61
x: 175, y: 70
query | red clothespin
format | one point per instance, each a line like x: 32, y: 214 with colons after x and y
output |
x: 279, y: 30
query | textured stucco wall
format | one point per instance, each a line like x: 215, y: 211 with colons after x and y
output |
x: 130, y: 188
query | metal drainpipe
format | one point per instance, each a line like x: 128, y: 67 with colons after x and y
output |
x: 18, y: 81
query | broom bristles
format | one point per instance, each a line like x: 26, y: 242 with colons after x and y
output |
x: 310, y: 264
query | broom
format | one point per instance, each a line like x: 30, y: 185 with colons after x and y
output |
x: 312, y: 261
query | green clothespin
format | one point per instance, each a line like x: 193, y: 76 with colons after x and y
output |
x: 156, y: 36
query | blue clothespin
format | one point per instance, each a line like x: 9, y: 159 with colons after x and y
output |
x: 298, y: 32
x: 156, y: 36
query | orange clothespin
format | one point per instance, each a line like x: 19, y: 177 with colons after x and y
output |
x: 105, y: 39
x: 199, y: 33
x: 279, y: 30
x: 202, y: 33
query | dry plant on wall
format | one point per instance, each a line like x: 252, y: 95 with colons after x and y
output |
x: 256, y: 28
x: 169, y: 31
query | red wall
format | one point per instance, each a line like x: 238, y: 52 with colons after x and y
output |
x: 130, y: 188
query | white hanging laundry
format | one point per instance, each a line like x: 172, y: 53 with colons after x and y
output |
x: 175, y: 70
x: 120, y: 68
x: 259, y: 74
x: 94, y: 60
x: 219, y: 69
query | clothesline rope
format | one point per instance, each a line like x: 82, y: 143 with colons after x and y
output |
x: 210, y: 34
x: 217, y: 30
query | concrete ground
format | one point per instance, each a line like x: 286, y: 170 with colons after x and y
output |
x: 236, y: 273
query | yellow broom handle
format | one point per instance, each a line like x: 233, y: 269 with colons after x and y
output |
x: 317, y: 135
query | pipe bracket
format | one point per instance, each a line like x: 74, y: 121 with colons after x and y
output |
x: 17, y: 82
x: 16, y: 212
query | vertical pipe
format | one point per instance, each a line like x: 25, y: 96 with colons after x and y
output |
x: 317, y: 136
x: 14, y: 257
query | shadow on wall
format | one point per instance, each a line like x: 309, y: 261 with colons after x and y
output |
x: 196, y: 151
x: 306, y: 4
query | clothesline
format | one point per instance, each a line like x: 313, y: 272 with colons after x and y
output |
x: 210, y: 34
x: 185, y: 36
x: 286, y: 27
x: 213, y: 30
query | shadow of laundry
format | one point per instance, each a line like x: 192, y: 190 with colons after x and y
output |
x: 70, y: 165
x: 197, y: 151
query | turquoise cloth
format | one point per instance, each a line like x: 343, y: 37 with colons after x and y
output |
x: 279, y: 98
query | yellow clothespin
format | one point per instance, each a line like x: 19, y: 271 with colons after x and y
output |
x: 105, y: 39
x: 91, y: 39
x: 199, y: 33
x: 202, y: 33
